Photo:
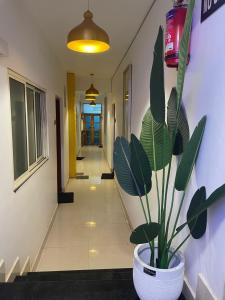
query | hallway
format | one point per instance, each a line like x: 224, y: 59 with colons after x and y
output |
x: 92, y: 232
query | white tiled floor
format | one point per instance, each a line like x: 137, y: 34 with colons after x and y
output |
x: 92, y: 232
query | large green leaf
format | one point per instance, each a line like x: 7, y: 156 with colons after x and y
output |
x: 178, y: 124
x: 156, y: 142
x: 157, y: 92
x: 198, y: 225
x: 172, y: 111
x: 189, y: 157
x: 140, y: 165
x: 183, y: 134
x: 217, y: 195
x: 129, y: 176
x: 145, y: 233
x: 183, y: 51
x: 121, y: 160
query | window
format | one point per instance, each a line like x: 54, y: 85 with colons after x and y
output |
x: 88, y: 109
x: 29, y: 126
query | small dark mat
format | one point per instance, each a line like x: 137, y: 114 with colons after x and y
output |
x: 107, y: 175
x: 65, y: 197
x: 82, y: 177
x: 80, y: 157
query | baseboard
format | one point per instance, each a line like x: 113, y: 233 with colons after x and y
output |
x: 203, y: 290
x: 26, y: 267
x: 2, y: 271
x: 123, y: 206
x: 38, y: 256
x: 187, y: 290
x: 14, y: 271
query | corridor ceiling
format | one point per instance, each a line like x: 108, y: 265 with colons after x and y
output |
x: 120, y: 18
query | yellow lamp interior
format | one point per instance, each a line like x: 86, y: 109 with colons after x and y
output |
x: 90, y: 98
x: 88, y: 46
x: 92, y: 95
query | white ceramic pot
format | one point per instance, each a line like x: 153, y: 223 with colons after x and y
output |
x: 157, y: 284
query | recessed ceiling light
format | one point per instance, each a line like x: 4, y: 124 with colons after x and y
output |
x: 93, y: 251
x: 91, y: 224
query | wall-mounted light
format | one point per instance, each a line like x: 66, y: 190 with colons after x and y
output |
x: 88, y: 37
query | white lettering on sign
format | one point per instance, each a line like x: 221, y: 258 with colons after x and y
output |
x: 209, y: 7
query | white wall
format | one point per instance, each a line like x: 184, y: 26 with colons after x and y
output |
x: 140, y: 56
x: 204, y: 93
x: 108, y: 130
x: 25, y: 215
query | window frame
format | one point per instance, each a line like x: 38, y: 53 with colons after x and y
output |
x: 18, y: 182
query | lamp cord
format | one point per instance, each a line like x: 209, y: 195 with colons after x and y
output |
x: 88, y: 4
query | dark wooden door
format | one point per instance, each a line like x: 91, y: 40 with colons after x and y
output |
x: 92, y: 129
x: 58, y: 145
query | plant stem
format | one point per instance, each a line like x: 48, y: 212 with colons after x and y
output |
x: 167, y: 186
x: 152, y: 255
x: 170, y: 213
x: 158, y: 197
x: 178, y: 214
x: 161, y: 239
x: 147, y: 202
x: 163, y: 189
x: 175, y: 251
x: 143, y: 208
x: 155, y: 168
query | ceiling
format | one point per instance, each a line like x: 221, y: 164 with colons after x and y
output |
x: 120, y: 18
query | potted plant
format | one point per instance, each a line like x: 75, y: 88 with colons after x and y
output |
x: 158, y: 268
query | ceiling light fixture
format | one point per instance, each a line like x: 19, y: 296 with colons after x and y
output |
x: 88, y: 37
x: 92, y: 103
x: 90, y: 98
x: 92, y: 91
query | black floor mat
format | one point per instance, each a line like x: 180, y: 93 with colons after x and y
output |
x: 65, y: 198
x: 80, y: 157
x: 107, y: 175
x: 82, y: 177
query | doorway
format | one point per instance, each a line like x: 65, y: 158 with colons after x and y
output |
x: 92, y: 129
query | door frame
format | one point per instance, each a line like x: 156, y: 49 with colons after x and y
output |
x: 58, y: 144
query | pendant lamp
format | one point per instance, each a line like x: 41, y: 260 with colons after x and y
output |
x: 92, y: 91
x: 90, y: 98
x: 88, y: 37
x: 92, y: 103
